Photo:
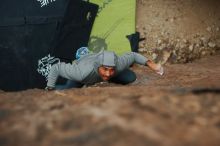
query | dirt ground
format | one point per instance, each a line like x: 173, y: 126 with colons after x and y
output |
x: 181, y: 108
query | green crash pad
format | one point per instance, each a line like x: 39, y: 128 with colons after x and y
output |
x: 115, y: 20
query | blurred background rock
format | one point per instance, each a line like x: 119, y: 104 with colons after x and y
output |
x: 187, y: 29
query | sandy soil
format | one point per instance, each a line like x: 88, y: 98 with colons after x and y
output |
x: 178, y: 109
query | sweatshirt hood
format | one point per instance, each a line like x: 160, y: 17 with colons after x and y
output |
x: 109, y: 58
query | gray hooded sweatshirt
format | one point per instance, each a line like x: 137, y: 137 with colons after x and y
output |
x: 85, y: 70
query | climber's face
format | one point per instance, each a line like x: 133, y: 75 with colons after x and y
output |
x: 106, y: 72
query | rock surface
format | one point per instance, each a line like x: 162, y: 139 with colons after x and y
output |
x: 180, y: 108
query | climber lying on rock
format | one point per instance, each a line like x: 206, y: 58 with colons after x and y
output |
x: 99, y: 67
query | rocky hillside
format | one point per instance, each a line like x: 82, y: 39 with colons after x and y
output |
x: 188, y: 28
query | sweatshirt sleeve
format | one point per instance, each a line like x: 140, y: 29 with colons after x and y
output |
x: 128, y: 59
x: 68, y: 71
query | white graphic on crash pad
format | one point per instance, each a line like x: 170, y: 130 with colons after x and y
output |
x: 45, y: 2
